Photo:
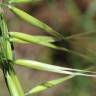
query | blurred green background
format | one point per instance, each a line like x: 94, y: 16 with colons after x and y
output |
x: 75, y: 19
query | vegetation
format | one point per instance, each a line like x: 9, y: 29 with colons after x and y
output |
x: 7, y: 60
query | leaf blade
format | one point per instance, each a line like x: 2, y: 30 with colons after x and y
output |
x: 50, y: 68
x: 25, y: 38
x: 12, y: 81
x: 48, y: 84
x: 23, y: 1
x: 21, y: 38
x: 35, y: 22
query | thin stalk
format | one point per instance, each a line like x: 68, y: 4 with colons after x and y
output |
x: 5, y: 57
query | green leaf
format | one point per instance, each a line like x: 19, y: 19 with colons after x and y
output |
x: 48, y: 84
x: 18, y: 41
x: 4, y: 40
x: 24, y: 1
x: 34, y: 22
x: 5, y: 58
x: 31, y: 37
x: 42, y: 40
x: 14, y: 90
x: 25, y: 38
x: 45, y: 41
x: 12, y: 81
x: 21, y: 38
x: 51, y: 68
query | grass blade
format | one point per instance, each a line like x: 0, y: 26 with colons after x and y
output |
x: 15, y: 40
x: 30, y: 37
x: 48, y: 84
x: 35, y: 22
x: 12, y: 82
x: 51, y: 68
x: 5, y: 44
x: 25, y: 38
x: 51, y: 83
x: 45, y: 41
x: 24, y: 1
x: 5, y: 58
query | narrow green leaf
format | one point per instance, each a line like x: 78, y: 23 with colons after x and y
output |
x: 48, y: 84
x: 5, y: 58
x: 24, y: 1
x: 35, y: 22
x: 51, y: 68
x: 31, y: 37
x: 41, y: 40
x: 4, y: 40
x: 12, y: 81
x: 25, y: 38
x: 14, y: 90
x: 15, y: 40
